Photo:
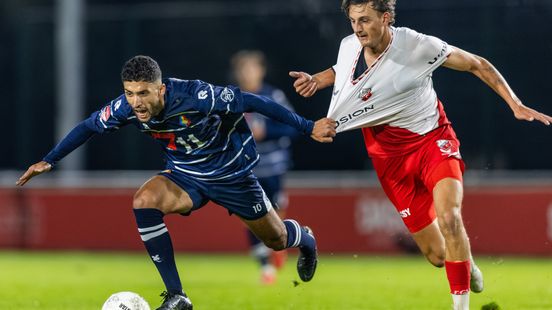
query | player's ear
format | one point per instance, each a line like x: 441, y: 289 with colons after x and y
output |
x: 162, y: 89
x: 386, y: 18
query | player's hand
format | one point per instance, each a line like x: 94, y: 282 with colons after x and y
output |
x: 324, y: 130
x: 305, y: 85
x: 525, y: 113
x: 33, y: 170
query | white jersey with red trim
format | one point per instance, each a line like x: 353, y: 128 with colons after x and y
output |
x: 396, y: 90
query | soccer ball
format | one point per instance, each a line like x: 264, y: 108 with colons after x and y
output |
x: 125, y: 301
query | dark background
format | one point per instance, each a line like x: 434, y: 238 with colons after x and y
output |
x: 194, y: 39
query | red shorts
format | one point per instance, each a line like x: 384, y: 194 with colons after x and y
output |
x: 408, y: 180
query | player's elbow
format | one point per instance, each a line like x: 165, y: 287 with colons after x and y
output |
x: 478, y: 64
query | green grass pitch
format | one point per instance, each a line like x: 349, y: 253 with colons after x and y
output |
x: 74, y: 280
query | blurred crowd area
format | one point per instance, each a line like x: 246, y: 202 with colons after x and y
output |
x: 195, y: 40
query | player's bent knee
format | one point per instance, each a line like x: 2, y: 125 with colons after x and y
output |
x: 450, y: 223
x: 277, y: 243
x: 436, y: 259
x: 143, y: 200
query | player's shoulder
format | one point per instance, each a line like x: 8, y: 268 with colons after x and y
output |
x: 410, y: 39
x: 406, y: 37
x: 349, y: 41
x: 177, y: 86
x: 193, y: 88
x: 117, y: 107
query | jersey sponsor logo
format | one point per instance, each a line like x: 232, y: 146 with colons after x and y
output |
x: 106, y: 113
x: 184, y: 121
x: 365, y: 94
x: 349, y: 117
x: 441, y: 54
x: 405, y: 213
x: 335, y: 92
x: 447, y: 148
x: 227, y: 95
x: 202, y: 95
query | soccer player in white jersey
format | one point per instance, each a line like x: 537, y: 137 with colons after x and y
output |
x: 382, y: 84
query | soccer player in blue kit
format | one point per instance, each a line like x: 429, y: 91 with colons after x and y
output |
x: 210, y: 153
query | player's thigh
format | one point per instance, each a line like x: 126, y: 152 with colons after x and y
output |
x: 431, y: 243
x: 447, y: 198
x: 161, y: 193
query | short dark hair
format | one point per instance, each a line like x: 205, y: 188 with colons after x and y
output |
x: 378, y: 5
x: 141, y: 68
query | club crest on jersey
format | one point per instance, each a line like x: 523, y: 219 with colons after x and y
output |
x: 105, y: 113
x: 227, y: 95
x: 365, y: 94
x: 184, y: 121
x: 447, y: 148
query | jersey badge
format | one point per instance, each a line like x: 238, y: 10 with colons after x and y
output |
x: 106, y: 113
x: 227, y: 95
x: 184, y: 121
x: 365, y: 94
x: 448, y: 149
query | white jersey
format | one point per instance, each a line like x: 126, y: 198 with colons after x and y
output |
x: 396, y: 90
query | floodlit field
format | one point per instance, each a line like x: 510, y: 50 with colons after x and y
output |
x: 69, y: 280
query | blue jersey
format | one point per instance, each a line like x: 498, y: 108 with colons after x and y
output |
x: 201, y: 128
x: 274, y: 148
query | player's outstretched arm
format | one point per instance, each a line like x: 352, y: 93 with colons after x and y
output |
x: 324, y: 130
x: 76, y: 137
x: 306, y: 85
x: 464, y: 61
x: 33, y: 170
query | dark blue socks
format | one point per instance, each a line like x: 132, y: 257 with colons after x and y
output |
x: 158, y: 243
x: 298, y: 237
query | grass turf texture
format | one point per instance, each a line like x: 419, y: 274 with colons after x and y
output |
x: 73, y: 280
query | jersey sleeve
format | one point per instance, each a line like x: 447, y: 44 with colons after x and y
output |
x: 280, y: 97
x: 211, y: 99
x: 429, y: 54
x: 111, y: 117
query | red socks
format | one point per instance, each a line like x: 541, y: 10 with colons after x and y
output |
x: 458, y: 274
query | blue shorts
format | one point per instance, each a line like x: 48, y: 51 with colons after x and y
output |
x: 273, y: 188
x: 241, y: 195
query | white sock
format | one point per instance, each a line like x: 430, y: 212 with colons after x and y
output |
x: 461, y: 302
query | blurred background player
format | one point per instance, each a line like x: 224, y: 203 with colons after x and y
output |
x: 382, y: 84
x: 273, y: 141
